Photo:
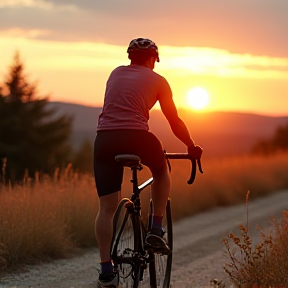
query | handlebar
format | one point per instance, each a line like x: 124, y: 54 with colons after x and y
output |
x: 194, y: 162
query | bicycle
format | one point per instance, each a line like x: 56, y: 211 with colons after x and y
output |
x: 130, y: 254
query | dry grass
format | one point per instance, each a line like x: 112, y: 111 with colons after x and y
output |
x: 226, y: 181
x: 264, y: 264
x: 46, y: 220
x: 50, y: 219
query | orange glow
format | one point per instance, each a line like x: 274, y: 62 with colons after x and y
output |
x: 198, y: 98
x: 77, y: 72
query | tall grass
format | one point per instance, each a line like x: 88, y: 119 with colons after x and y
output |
x: 55, y: 216
x: 226, y: 181
x: 48, y: 219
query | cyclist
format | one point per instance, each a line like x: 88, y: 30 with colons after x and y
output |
x: 131, y: 91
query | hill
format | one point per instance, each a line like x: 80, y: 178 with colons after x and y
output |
x: 219, y: 133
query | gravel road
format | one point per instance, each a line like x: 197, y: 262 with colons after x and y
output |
x: 198, y: 254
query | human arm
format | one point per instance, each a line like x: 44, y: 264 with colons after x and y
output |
x: 178, y: 127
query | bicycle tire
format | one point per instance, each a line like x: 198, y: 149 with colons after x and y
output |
x: 160, y: 266
x: 126, y: 245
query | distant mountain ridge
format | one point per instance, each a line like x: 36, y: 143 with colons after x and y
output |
x: 220, y: 133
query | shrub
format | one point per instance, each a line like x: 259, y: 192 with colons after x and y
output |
x: 264, y: 264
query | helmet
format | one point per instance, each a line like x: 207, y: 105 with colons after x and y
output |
x: 143, y: 44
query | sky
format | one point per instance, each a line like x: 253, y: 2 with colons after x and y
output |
x: 237, y: 50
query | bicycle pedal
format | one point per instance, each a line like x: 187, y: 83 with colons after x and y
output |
x: 159, y: 251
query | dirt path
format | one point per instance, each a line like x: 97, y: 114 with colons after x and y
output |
x: 197, y: 255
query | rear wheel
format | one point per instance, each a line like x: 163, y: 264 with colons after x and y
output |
x: 160, y: 265
x: 125, y: 245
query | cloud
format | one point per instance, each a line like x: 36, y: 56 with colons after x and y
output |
x: 240, y: 26
x: 25, y: 3
x: 173, y: 60
x: 41, y: 4
x: 28, y: 33
x: 221, y: 63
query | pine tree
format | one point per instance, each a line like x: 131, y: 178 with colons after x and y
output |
x: 31, y: 137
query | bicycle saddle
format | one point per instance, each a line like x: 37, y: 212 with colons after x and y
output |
x: 128, y: 160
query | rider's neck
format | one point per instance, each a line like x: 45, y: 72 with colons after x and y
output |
x: 150, y: 63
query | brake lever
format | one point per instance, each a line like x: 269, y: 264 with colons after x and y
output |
x: 199, y: 166
x: 193, y: 170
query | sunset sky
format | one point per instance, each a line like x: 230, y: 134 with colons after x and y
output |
x: 237, y: 50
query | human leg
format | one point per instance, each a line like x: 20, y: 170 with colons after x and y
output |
x: 103, y: 232
x: 108, y: 178
x: 104, y: 223
x: 159, y: 193
x: 154, y: 158
x: 160, y: 190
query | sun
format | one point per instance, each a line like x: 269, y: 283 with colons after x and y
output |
x: 198, y: 98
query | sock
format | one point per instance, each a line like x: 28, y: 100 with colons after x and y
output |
x: 157, y: 221
x: 106, y: 267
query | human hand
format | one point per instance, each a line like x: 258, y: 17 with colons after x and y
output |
x: 195, y: 151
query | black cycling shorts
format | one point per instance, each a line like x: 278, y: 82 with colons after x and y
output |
x: 108, y: 172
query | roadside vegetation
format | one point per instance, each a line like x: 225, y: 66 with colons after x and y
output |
x: 53, y: 217
x: 263, y: 264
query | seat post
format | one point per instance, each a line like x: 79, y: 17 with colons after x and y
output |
x: 134, y: 162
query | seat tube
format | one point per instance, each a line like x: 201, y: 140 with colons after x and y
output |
x: 134, y: 180
x: 135, y: 197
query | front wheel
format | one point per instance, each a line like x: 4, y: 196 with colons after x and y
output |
x: 161, y: 265
x: 126, y: 244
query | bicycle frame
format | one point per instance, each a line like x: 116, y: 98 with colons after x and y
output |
x: 134, y: 162
x: 137, y: 189
x: 142, y: 254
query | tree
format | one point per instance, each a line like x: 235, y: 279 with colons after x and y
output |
x: 31, y: 136
x: 279, y: 141
x: 83, y: 158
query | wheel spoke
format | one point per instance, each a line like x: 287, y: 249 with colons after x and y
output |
x: 160, y: 268
x: 125, y: 246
